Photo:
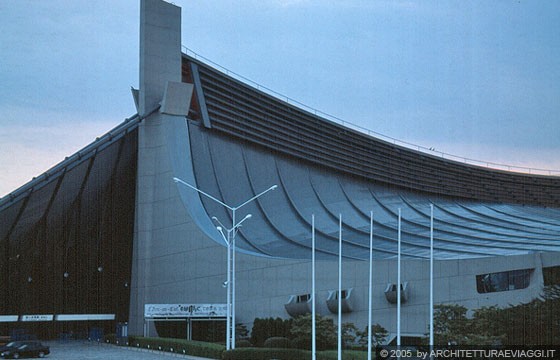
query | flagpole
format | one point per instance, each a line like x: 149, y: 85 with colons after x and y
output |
x: 369, y: 332
x: 431, y: 275
x: 313, y: 311
x: 399, y: 282
x: 339, y: 286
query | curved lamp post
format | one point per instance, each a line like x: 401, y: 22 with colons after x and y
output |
x: 230, y: 242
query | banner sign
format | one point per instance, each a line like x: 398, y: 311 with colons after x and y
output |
x: 9, y: 318
x: 84, y: 317
x: 37, y: 317
x: 185, y: 310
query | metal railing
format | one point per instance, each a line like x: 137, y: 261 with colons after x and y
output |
x: 361, y: 129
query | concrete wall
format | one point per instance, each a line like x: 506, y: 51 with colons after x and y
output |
x: 183, y: 265
x: 160, y: 51
x: 264, y: 286
x: 174, y: 261
x: 155, y: 231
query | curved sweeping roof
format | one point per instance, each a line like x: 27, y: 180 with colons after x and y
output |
x: 242, y: 141
x: 280, y: 226
x: 228, y: 106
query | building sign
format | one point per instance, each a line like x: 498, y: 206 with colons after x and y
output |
x: 9, y: 318
x: 37, y: 317
x: 84, y: 317
x: 152, y: 311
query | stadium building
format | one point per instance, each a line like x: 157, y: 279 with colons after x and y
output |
x: 107, y: 236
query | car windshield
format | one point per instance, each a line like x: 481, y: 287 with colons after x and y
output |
x: 13, y: 344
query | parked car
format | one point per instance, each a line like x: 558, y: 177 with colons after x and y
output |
x: 9, y: 345
x: 23, y: 349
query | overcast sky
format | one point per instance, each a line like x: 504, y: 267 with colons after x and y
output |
x: 479, y: 79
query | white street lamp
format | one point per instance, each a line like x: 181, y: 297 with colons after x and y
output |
x: 227, y: 284
x: 230, y: 241
x: 227, y: 238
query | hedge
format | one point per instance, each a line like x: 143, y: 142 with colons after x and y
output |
x: 216, y: 351
x: 194, y: 348
x: 267, y: 354
x: 243, y: 343
x: 277, y: 342
x: 346, y: 355
x: 290, y: 354
x: 269, y: 327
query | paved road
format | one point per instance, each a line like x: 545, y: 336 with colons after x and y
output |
x: 84, y: 350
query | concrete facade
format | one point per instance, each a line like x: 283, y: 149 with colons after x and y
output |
x: 155, y: 225
x: 176, y: 261
x: 233, y: 141
x: 264, y: 286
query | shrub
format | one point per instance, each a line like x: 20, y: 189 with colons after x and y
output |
x: 289, y: 354
x: 346, y: 355
x: 243, y: 343
x: 326, y: 332
x: 277, y: 342
x: 194, y: 348
x: 266, y: 354
x: 301, y: 343
x: 270, y: 327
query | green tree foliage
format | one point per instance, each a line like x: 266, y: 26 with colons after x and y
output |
x: 241, y: 332
x: 486, y: 327
x: 270, y: 327
x: 378, y: 335
x: 277, y: 342
x: 450, y: 322
x: 451, y: 326
x: 533, y: 323
x: 325, y: 330
x: 349, y: 335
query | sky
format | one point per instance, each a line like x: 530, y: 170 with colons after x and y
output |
x: 476, y: 79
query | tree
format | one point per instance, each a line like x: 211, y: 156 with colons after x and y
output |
x: 349, y: 335
x: 378, y: 335
x: 241, y: 331
x: 534, y: 323
x: 325, y: 330
x: 269, y: 327
x: 450, y: 322
x: 486, y: 328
